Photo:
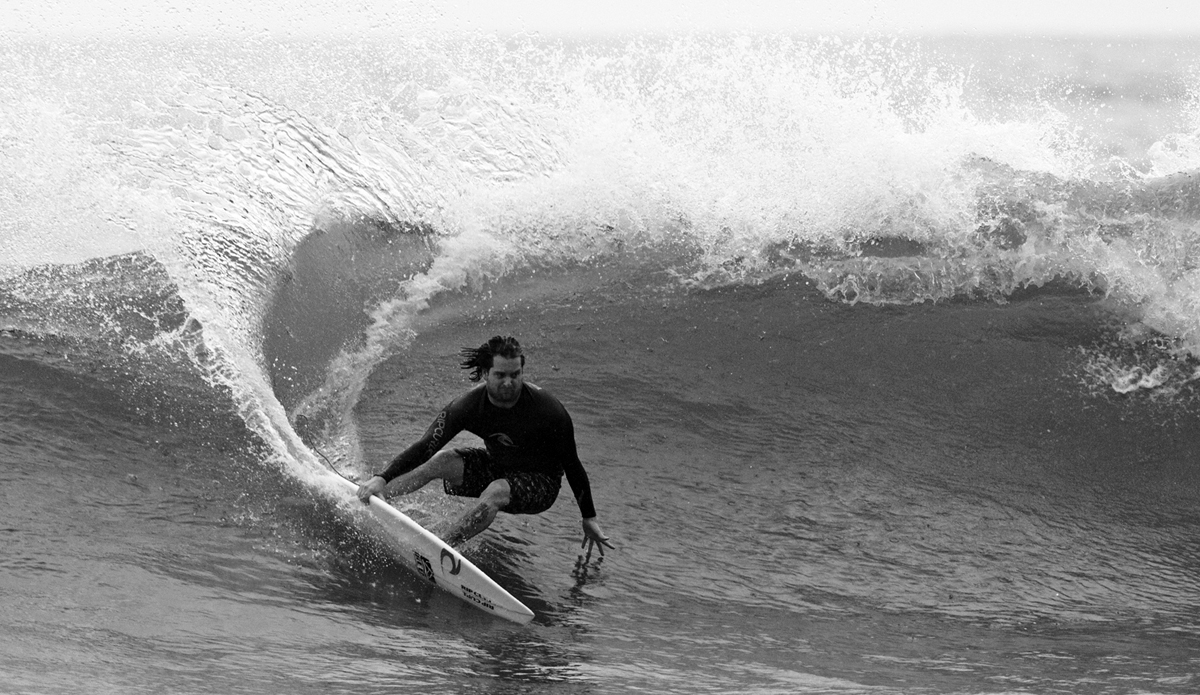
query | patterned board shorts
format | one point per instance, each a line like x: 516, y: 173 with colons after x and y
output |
x: 532, y: 493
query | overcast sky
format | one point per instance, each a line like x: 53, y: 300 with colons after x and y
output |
x: 1096, y: 17
x: 885, y: 16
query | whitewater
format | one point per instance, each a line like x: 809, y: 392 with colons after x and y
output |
x: 881, y: 352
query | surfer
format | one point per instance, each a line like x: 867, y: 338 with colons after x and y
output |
x: 529, y: 440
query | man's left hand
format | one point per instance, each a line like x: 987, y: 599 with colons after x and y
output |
x: 594, y: 537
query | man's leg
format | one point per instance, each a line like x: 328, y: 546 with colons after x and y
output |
x: 495, y: 497
x: 445, y: 465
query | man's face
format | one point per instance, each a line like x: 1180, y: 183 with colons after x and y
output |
x: 504, y: 381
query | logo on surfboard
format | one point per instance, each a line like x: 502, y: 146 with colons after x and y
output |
x: 455, y: 562
x: 424, y: 566
x: 477, y: 597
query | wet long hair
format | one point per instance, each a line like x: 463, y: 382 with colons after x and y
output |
x: 479, y: 360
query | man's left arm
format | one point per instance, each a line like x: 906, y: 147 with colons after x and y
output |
x: 577, y: 478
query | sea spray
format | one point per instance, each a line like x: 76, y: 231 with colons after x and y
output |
x: 726, y: 160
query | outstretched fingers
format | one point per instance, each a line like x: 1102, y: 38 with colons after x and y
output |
x: 590, y: 543
x: 593, y: 537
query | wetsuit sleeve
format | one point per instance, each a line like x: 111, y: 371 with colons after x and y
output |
x: 577, y: 477
x: 448, y: 423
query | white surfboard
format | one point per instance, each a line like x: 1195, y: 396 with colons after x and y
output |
x: 432, y: 559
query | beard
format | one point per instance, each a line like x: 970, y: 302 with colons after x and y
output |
x: 505, y: 395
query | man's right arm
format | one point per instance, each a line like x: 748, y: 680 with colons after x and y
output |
x: 445, y: 426
x: 436, y: 436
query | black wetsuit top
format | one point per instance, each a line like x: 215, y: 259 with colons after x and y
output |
x: 534, y: 435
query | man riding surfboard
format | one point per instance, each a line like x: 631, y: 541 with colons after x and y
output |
x: 529, y: 443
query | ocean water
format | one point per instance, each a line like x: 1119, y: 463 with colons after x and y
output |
x: 882, y: 356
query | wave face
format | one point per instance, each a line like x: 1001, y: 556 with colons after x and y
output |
x: 862, y: 339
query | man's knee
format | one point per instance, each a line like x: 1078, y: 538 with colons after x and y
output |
x: 497, y: 494
x: 447, y: 465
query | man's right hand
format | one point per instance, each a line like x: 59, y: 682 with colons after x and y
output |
x: 374, y: 486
